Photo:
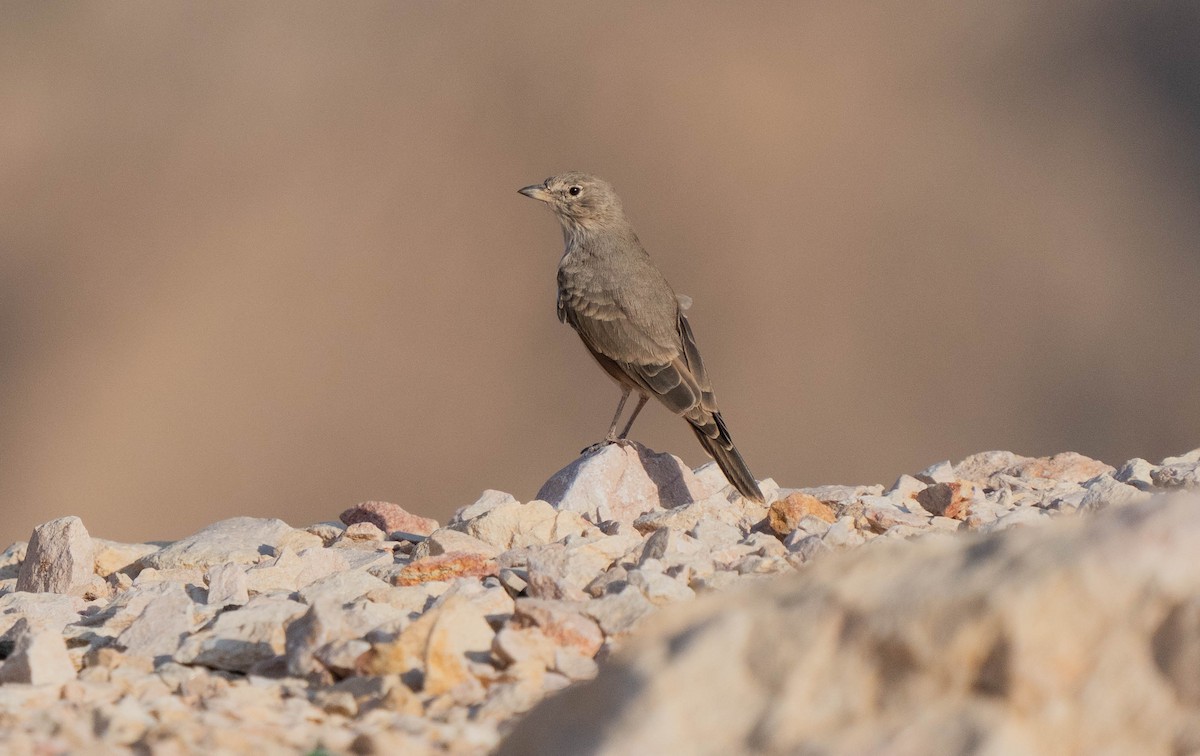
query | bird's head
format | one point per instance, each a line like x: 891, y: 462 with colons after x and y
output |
x: 581, y: 202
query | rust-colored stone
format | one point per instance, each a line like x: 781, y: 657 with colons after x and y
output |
x: 446, y: 566
x: 947, y: 499
x: 785, y: 515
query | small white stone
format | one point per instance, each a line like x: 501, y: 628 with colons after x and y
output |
x: 670, y: 546
x: 843, y: 534
x: 342, y: 657
x: 341, y: 587
x: 574, y: 665
x: 906, y: 486
x: 515, y: 581
x: 715, y: 534
x: 517, y: 645
x: 487, y: 501
x: 1018, y: 516
x: 1137, y: 473
x: 322, y: 624
x: 947, y: 524
x: 938, y: 472
x: 558, y: 571
x: 163, y: 623
x: 514, y: 525
x: 227, y: 585
x: 620, y: 611
x: 659, y: 588
x: 812, y: 525
x: 1191, y: 457
x: 765, y: 544
x: 446, y: 540
x: 39, y: 657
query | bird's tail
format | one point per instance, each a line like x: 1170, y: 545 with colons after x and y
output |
x: 720, y: 447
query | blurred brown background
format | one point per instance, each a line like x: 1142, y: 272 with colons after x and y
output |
x: 269, y: 259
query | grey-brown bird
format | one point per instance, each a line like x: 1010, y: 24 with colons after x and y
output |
x: 630, y: 319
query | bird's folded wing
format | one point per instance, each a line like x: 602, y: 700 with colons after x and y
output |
x: 575, y: 306
x: 673, y: 384
x: 691, y: 356
x: 670, y: 377
x: 682, y: 383
x: 617, y: 330
x: 640, y: 329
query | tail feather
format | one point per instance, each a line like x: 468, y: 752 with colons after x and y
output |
x: 729, y: 460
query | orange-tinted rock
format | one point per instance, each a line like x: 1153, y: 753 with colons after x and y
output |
x: 445, y: 567
x: 947, y: 499
x: 785, y: 514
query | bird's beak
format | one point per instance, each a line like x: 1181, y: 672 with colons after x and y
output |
x: 537, y: 192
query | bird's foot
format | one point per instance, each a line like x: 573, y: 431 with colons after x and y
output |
x: 620, y: 441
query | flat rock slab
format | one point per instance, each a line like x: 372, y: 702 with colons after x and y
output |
x: 42, y: 610
x: 240, y: 540
x: 243, y: 637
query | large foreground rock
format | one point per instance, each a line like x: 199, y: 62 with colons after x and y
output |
x: 1081, y: 636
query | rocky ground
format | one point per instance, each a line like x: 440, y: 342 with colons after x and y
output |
x: 387, y: 632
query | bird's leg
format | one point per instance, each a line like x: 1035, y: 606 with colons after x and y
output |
x: 642, y: 399
x: 611, y: 437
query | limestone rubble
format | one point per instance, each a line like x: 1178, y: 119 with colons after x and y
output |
x: 937, y: 612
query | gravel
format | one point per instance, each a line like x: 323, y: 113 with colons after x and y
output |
x: 388, y: 632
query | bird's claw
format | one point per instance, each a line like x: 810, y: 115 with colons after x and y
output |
x: 621, y: 442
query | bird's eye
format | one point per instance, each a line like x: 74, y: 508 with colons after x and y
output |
x: 575, y: 190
